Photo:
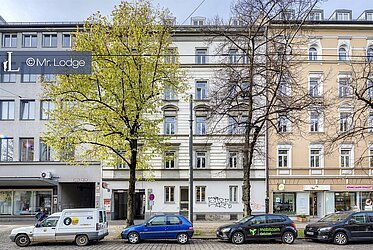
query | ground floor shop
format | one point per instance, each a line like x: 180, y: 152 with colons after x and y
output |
x: 318, y: 200
x: 213, y: 199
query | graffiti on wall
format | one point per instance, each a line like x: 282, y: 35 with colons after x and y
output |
x: 215, y: 201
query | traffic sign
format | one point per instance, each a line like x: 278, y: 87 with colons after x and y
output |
x: 151, y: 197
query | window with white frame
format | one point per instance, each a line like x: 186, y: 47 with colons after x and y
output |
x: 315, y: 16
x: 27, y: 109
x: 169, y: 194
x: 316, y: 157
x: 233, y: 56
x: 233, y: 193
x: 345, y: 121
x: 312, y: 54
x: 67, y: 40
x: 27, y: 149
x: 283, y: 89
x: 314, y: 87
x: 370, y: 121
x: 201, y: 90
x: 283, y: 157
x: 169, y: 159
x: 169, y: 93
x: 8, y: 78
x: 46, y: 106
x: 201, y: 56
x: 7, y: 149
x: 30, y: 40
x: 370, y: 88
x: 10, y: 40
x: 233, y: 159
x: 46, y: 152
x: 50, y: 40
x: 29, y: 77
x: 7, y: 109
x: 169, y: 125
x: 283, y: 123
x: 371, y: 156
x: 342, y: 53
x: 233, y: 125
x: 346, y: 157
x: 370, y: 54
x: 345, y: 88
x: 315, y: 121
x: 201, y: 125
x: 343, y: 16
x: 201, y: 159
x: 369, y: 16
x: 200, y: 193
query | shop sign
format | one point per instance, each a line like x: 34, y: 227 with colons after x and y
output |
x: 316, y: 187
x: 107, y: 205
x: 359, y: 187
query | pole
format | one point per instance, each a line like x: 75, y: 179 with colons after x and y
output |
x: 190, y: 205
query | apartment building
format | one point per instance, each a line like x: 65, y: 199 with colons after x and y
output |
x: 309, y: 174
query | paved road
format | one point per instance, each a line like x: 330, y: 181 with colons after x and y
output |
x: 197, y: 244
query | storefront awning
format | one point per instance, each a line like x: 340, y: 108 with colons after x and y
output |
x: 26, y: 182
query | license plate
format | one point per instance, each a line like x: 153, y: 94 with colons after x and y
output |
x: 309, y: 233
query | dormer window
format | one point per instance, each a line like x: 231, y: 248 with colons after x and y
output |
x: 370, y: 54
x: 316, y: 15
x: 287, y: 15
x: 198, y: 21
x: 236, y: 22
x: 342, y: 54
x: 343, y: 16
x: 369, y: 16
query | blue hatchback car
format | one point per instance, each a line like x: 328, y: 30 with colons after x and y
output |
x: 160, y: 227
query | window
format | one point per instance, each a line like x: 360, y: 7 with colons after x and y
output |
x: 233, y: 159
x: 369, y: 17
x: 201, y: 87
x: 345, y: 89
x: 173, y: 220
x: 283, y: 158
x: 343, y: 16
x: 275, y: 219
x: 315, y: 16
x: 315, y: 121
x: 49, y: 77
x: 170, y: 159
x: 28, y: 110
x: 315, y: 158
x: 8, y: 78
x: 46, y: 153
x: 283, y: 123
x: 169, y: 194
x: 6, y: 150
x: 284, y: 203
x: 170, y: 56
x: 170, y: 125
x: 6, y: 202
x: 50, y: 222
x: 358, y: 218
x: 46, y: 106
x: 7, y: 110
x: 27, y: 149
x: 9, y: 40
x: 314, y: 87
x: 344, y: 201
x: 233, y: 193
x: 370, y: 121
x: 157, y: 221
x: 198, y: 21
x: 370, y: 54
x: 346, y: 158
x: 283, y: 89
x: 200, y: 193
x: 371, y: 157
x: 370, y: 88
x: 345, y: 121
x: 233, y: 56
x: 201, y: 125
x: 233, y: 125
x: 169, y: 93
x: 50, y: 40
x: 312, y: 54
x: 261, y: 219
x: 342, y: 54
x: 30, y: 40
x: 201, y: 55
x: 67, y: 40
x: 29, y: 77
x: 201, y: 159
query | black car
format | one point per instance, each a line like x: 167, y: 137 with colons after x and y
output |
x: 342, y: 227
x: 264, y: 226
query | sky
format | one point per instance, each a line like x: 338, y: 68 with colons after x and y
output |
x: 78, y: 10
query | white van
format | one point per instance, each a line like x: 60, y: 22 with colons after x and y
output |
x: 76, y: 225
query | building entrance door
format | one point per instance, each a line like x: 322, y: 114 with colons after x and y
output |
x: 184, y: 201
x: 120, y: 204
x: 313, y: 204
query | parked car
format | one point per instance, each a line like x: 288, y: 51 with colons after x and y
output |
x: 160, y: 227
x: 75, y: 225
x: 259, y: 227
x: 342, y: 227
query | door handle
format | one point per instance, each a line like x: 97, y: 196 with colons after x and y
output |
x: 53, y: 228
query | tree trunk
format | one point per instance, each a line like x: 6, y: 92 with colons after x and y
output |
x: 246, y: 181
x: 132, y: 185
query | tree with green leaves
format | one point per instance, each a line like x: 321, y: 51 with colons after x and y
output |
x: 113, y: 115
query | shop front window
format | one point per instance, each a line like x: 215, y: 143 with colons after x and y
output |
x: 345, y: 201
x: 366, y: 201
x: 284, y: 203
x: 22, y: 203
x: 28, y: 202
x: 5, y: 202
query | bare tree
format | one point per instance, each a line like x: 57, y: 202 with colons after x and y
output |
x: 258, y: 87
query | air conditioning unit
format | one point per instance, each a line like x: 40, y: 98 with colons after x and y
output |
x: 46, y: 175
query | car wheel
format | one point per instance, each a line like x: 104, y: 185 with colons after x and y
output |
x: 340, y: 238
x: 237, y: 238
x: 22, y: 240
x: 288, y: 237
x: 82, y: 240
x: 133, y: 238
x: 182, y: 238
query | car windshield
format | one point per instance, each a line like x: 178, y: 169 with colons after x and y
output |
x: 245, y: 219
x: 336, y: 217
